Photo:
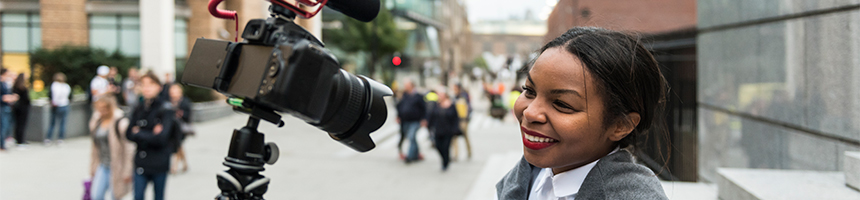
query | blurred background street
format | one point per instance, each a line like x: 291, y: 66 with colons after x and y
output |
x: 764, y: 99
x: 311, y: 165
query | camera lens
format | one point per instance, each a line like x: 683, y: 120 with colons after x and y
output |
x: 355, y: 108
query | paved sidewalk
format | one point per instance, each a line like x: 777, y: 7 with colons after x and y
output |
x: 311, y: 166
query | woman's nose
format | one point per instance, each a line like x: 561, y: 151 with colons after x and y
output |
x: 534, y: 113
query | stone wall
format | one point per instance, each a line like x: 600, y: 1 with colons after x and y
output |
x: 779, y: 84
x: 80, y: 113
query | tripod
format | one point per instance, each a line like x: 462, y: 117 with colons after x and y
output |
x: 247, y: 155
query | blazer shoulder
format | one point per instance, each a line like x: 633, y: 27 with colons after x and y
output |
x: 616, y: 176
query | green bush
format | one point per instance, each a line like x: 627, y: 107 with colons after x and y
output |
x: 79, y: 63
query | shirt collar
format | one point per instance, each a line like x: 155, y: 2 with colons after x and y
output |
x: 568, y: 183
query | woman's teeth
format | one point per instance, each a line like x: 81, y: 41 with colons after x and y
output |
x: 532, y: 138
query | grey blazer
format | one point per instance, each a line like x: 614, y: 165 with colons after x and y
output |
x: 615, y: 176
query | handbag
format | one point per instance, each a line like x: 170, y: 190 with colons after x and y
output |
x: 87, y: 184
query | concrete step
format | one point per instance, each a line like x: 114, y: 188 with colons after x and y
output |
x: 747, y: 184
x: 852, y: 169
x: 690, y: 190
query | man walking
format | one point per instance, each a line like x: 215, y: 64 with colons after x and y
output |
x: 411, y: 111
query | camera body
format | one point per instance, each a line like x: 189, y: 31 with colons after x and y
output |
x: 282, y: 67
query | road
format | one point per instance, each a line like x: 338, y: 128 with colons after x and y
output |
x: 311, y: 165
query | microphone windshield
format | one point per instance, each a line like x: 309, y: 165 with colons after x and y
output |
x: 362, y: 10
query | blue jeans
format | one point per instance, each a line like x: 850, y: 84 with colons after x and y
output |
x: 158, y: 181
x: 5, y: 124
x: 411, y: 130
x: 58, y: 114
x: 101, y: 183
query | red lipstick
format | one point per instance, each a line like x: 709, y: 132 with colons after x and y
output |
x: 536, y: 141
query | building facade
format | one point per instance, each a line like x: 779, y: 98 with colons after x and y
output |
x: 644, y: 16
x: 159, y: 34
x: 778, y: 86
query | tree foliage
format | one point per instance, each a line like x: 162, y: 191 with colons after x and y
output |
x: 380, y: 38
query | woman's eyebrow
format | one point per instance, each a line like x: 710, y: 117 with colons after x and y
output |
x: 529, y: 77
x: 557, y: 91
x: 565, y: 91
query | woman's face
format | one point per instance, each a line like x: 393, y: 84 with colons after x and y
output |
x: 149, y: 88
x: 561, y: 114
x: 175, y: 92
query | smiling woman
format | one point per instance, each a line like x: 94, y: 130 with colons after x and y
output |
x: 589, y: 94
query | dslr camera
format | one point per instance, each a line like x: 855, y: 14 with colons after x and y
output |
x: 281, y: 67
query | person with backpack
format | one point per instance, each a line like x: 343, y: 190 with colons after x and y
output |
x: 152, y: 126
x: 110, y: 166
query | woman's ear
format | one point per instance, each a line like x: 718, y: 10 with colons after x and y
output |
x: 623, y: 127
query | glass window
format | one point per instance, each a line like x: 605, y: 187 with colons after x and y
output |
x: 116, y: 33
x: 104, y: 38
x: 22, y: 32
x: 180, y: 37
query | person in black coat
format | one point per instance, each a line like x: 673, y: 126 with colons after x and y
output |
x: 21, y: 109
x: 151, y: 128
x: 411, y: 115
x: 445, y: 122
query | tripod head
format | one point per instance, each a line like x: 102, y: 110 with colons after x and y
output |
x: 248, y: 154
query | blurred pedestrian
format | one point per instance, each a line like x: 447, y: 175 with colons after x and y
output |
x: 411, y: 111
x: 590, y: 93
x: 111, y: 157
x: 100, y: 84
x: 60, y: 94
x: 165, y: 89
x: 7, y: 98
x: 182, y: 107
x: 114, y: 79
x: 130, y: 92
x: 152, y: 121
x: 444, y: 121
x: 464, y: 110
x: 21, y: 109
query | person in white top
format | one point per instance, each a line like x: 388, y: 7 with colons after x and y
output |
x: 100, y: 85
x: 130, y: 91
x: 60, y: 94
x: 588, y: 95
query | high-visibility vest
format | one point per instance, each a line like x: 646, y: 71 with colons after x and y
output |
x: 432, y: 96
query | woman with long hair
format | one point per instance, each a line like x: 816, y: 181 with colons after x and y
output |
x: 589, y: 94
x: 21, y: 109
x: 110, y: 166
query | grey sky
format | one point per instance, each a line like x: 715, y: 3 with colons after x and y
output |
x: 481, y: 10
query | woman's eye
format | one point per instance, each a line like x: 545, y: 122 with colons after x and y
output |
x: 563, y: 107
x: 528, y: 92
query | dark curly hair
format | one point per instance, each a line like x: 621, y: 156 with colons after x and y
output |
x: 627, y: 73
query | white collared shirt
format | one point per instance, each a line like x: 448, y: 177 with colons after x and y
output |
x: 562, y: 186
